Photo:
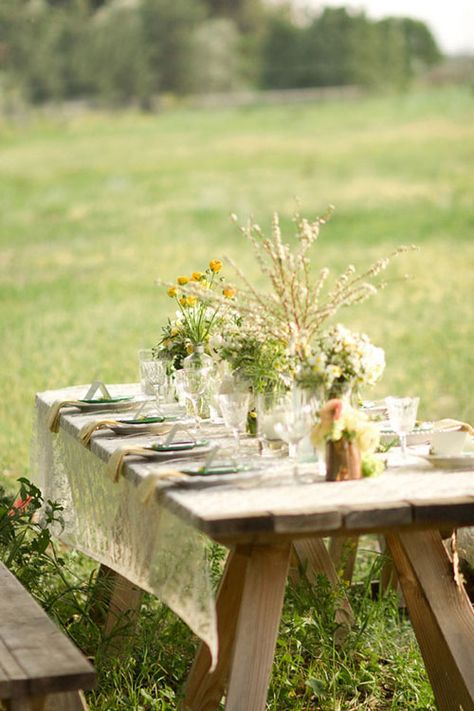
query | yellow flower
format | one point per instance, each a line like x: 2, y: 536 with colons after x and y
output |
x: 229, y: 292
x: 196, y: 276
x: 189, y: 348
x: 215, y: 265
x: 182, y: 280
x: 172, y: 291
x: 191, y: 300
x: 174, y: 331
x: 182, y: 301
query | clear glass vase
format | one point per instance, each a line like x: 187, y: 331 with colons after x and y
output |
x: 199, y: 360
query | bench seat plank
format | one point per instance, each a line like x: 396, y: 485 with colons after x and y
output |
x: 36, y: 658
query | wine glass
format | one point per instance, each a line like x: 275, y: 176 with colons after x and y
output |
x: 152, y: 375
x: 194, y: 382
x: 295, y: 421
x: 234, y: 408
x: 402, y: 415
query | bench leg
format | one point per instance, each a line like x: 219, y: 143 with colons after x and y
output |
x: 26, y: 703
x: 441, y: 615
x: 65, y: 701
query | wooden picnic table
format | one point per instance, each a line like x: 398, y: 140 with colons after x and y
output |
x: 262, y: 522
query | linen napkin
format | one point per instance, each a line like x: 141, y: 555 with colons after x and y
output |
x: 149, y: 485
x: 88, y: 430
x: 449, y: 424
x: 55, y: 412
x: 115, y: 463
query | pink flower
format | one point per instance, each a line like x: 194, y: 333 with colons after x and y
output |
x: 19, y: 505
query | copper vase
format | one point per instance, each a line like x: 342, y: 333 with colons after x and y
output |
x: 343, y: 461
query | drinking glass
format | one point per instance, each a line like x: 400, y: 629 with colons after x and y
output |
x: 152, y: 372
x: 402, y: 416
x: 269, y: 406
x: 234, y: 408
x: 295, y: 420
x: 194, y: 383
x: 179, y: 386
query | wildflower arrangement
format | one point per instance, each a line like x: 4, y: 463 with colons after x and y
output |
x: 298, y: 304
x: 341, y: 359
x: 197, y: 317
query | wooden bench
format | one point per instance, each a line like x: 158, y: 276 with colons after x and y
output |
x: 40, y: 668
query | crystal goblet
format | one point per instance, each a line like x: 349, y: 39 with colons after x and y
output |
x: 234, y: 409
x: 402, y: 413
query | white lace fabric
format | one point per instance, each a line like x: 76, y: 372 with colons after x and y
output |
x: 111, y: 523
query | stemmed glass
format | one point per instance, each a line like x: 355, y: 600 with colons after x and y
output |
x: 295, y: 421
x: 153, y: 377
x: 402, y: 415
x: 194, y: 384
x: 234, y: 408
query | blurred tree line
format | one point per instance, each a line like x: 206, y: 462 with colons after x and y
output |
x: 134, y: 50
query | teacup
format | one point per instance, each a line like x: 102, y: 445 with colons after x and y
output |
x: 448, y: 443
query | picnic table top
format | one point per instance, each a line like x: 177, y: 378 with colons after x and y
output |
x: 269, y: 504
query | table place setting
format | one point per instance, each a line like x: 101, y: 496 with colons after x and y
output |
x: 90, y: 402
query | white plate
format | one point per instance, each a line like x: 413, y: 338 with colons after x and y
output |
x: 142, y: 427
x: 458, y: 461
x: 374, y: 407
x: 121, y: 403
x: 420, y: 435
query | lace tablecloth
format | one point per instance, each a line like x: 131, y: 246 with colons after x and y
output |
x: 144, y: 542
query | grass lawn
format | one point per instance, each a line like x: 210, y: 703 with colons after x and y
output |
x: 95, y: 207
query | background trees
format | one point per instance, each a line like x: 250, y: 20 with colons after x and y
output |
x: 133, y: 50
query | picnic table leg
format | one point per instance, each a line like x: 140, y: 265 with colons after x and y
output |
x: 257, y: 627
x: 441, y: 615
x: 119, y: 600
x: 204, y: 689
x: 315, y: 559
x: 343, y: 552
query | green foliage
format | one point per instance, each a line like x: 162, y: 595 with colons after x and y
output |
x: 132, y: 51
x: 338, y: 47
x: 23, y: 540
x: 262, y: 363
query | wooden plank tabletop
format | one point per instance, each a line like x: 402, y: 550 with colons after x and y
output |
x: 252, y: 506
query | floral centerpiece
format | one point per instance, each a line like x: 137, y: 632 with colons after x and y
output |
x: 340, y: 361
x: 198, y: 322
x: 296, y: 307
x: 350, y: 439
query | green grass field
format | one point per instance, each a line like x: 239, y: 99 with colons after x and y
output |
x: 95, y: 207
